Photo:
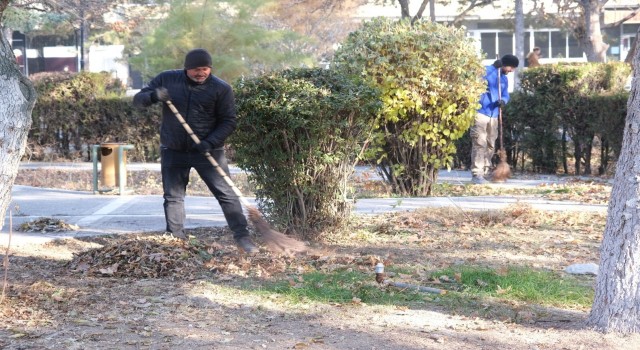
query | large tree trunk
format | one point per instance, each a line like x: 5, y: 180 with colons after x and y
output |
x: 404, y: 8
x: 519, y: 13
x: 616, y: 307
x: 432, y: 10
x: 18, y: 98
x: 591, y: 39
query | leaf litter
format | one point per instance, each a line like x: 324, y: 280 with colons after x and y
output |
x: 210, y: 254
x: 47, y: 225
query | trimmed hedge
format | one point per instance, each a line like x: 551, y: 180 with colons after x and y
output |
x: 75, y: 111
x: 561, y: 110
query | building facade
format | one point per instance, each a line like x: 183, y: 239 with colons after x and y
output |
x: 492, y: 27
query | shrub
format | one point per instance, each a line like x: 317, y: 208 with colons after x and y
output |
x: 299, y: 134
x: 430, y: 79
x: 576, y: 102
x: 74, y: 111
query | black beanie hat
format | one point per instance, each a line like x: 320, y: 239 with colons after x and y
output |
x: 510, y: 60
x: 197, y: 58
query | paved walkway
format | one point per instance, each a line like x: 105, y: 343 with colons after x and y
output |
x: 113, y: 214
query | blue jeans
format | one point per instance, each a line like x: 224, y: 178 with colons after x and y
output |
x: 175, y: 166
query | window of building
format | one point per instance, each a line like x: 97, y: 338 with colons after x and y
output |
x: 505, y: 43
x: 488, y: 44
x: 630, y: 28
x: 541, y: 40
x: 558, y: 45
x: 575, y: 51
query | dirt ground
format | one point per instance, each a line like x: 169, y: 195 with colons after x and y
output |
x: 97, y: 293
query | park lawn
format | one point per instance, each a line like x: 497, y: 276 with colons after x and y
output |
x: 496, y: 278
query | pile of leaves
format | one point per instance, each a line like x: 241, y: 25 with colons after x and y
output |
x: 163, y: 256
x: 143, y: 257
x: 45, y: 225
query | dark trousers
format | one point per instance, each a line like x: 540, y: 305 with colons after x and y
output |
x: 176, y: 166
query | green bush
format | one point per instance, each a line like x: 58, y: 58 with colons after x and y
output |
x: 532, y: 131
x: 562, y: 102
x: 610, y: 112
x: 299, y: 134
x: 74, y: 111
x: 430, y: 79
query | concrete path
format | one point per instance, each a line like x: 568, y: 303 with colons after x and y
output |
x: 114, y: 214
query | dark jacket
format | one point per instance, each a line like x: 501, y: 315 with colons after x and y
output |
x: 489, y: 100
x: 209, y: 109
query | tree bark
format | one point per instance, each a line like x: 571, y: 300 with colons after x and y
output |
x: 616, y: 306
x: 18, y: 98
x: 432, y: 10
x: 404, y: 8
x: 591, y: 40
x: 519, y: 13
x: 633, y: 49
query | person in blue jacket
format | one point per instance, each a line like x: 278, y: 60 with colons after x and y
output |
x: 484, y: 132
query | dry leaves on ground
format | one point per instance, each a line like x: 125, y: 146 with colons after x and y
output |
x: 45, y: 225
x: 210, y: 254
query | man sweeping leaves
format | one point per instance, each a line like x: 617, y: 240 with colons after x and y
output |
x: 485, y: 130
x: 208, y: 105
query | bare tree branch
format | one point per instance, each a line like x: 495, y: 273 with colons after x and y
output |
x: 420, y: 10
x: 624, y: 19
x: 472, y: 4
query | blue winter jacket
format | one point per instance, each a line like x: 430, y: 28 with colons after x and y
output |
x: 489, y: 100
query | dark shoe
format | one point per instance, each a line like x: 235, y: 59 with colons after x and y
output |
x: 478, y: 180
x: 247, y: 245
x: 179, y: 235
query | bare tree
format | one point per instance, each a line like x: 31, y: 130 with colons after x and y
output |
x: 18, y: 98
x: 591, y: 38
x: 584, y: 19
x: 328, y: 22
x: 616, y: 306
x: 468, y: 6
x: 405, y: 11
x: 80, y: 15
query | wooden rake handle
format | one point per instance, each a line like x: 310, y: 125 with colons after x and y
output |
x: 213, y: 162
x: 500, y: 109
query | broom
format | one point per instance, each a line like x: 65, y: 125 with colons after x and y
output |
x: 275, y: 241
x: 502, y: 171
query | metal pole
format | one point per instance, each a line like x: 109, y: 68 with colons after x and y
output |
x: 94, y: 157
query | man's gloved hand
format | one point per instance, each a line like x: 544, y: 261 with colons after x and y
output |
x: 160, y: 94
x: 501, y: 104
x: 204, y: 147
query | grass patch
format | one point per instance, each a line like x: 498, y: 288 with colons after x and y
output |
x: 341, y: 287
x: 521, y: 284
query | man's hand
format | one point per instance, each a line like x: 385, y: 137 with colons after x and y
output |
x: 204, y: 147
x: 501, y: 104
x: 160, y: 94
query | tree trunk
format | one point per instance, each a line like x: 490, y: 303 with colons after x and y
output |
x: 565, y: 165
x: 616, y: 306
x: 404, y: 8
x: 632, y: 50
x: 577, y: 154
x: 432, y: 10
x: 591, y: 40
x: 519, y: 38
x: 18, y: 98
